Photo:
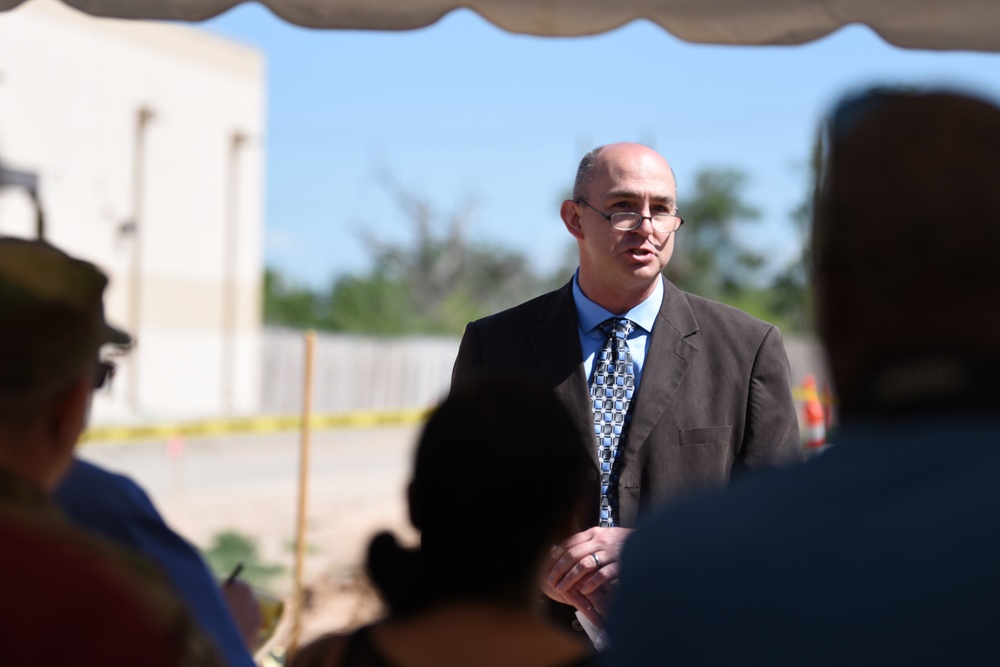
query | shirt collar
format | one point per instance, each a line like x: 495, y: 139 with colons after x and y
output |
x: 590, y: 315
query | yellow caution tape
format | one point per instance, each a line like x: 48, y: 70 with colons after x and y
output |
x: 274, y: 424
x: 242, y: 425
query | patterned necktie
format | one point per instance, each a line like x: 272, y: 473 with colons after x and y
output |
x: 611, y: 393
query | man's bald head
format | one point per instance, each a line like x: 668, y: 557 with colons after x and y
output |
x: 906, y: 244
x: 584, y: 173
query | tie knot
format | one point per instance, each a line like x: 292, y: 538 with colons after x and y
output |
x: 617, y: 326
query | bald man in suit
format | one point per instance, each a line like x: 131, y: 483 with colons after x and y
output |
x: 708, y: 393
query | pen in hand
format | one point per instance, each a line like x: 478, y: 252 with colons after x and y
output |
x: 235, y: 573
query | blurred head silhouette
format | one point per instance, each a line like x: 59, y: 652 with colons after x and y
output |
x: 498, y: 477
x: 906, y: 244
x: 52, y: 329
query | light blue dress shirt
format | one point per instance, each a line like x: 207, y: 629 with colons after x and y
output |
x: 590, y: 315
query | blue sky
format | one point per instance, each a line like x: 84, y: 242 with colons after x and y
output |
x: 462, y: 110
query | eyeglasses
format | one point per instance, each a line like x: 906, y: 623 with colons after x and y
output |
x: 626, y: 222
x: 103, y: 374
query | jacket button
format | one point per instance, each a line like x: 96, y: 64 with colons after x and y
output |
x: 577, y: 626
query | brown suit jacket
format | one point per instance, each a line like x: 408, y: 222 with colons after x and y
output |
x: 715, y: 395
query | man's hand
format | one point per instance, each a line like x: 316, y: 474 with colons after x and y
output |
x: 245, y: 610
x: 575, y: 577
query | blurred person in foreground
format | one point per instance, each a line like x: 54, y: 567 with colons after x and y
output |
x: 112, y: 506
x: 117, y: 509
x: 490, y: 498
x: 69, y: 599
x: 670, y: 393
x: 884, y: 550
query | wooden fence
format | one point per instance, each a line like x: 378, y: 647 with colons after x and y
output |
x: 372, y: 373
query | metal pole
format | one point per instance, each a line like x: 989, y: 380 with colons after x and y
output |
x: 300, y: 533
x: 39, y: 216
x: 29, y: 181
x: 143, y: 118
x: 230, y: 273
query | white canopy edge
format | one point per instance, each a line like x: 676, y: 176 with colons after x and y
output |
x: 923, y: 24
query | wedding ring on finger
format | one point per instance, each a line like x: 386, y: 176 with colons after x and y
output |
x: 597, y: 561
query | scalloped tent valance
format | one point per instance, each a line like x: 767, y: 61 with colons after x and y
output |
x: 925, y: 24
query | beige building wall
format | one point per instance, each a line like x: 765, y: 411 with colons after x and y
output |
x: 147, y: 139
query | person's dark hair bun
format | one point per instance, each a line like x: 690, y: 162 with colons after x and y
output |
x: 398, y: 574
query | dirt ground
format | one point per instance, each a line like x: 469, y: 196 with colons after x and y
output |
x: 249, y: 484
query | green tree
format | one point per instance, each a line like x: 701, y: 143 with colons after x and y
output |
x: 790, y: 293
x: 434, y: 284
x: 375, y: 303
x: 709, y: 260
x: 286, y: 304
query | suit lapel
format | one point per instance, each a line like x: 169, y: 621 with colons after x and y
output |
x: 556, y: 342
x: 671, y: 352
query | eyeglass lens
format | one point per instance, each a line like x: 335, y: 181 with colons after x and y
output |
x: 661, y: 223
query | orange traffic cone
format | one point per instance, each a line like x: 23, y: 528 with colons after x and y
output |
x: 815, y: 435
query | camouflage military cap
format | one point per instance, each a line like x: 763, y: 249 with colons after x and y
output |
x: 51, y: 316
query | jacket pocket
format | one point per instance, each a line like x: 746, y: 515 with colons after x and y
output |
x: 710, y: 435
